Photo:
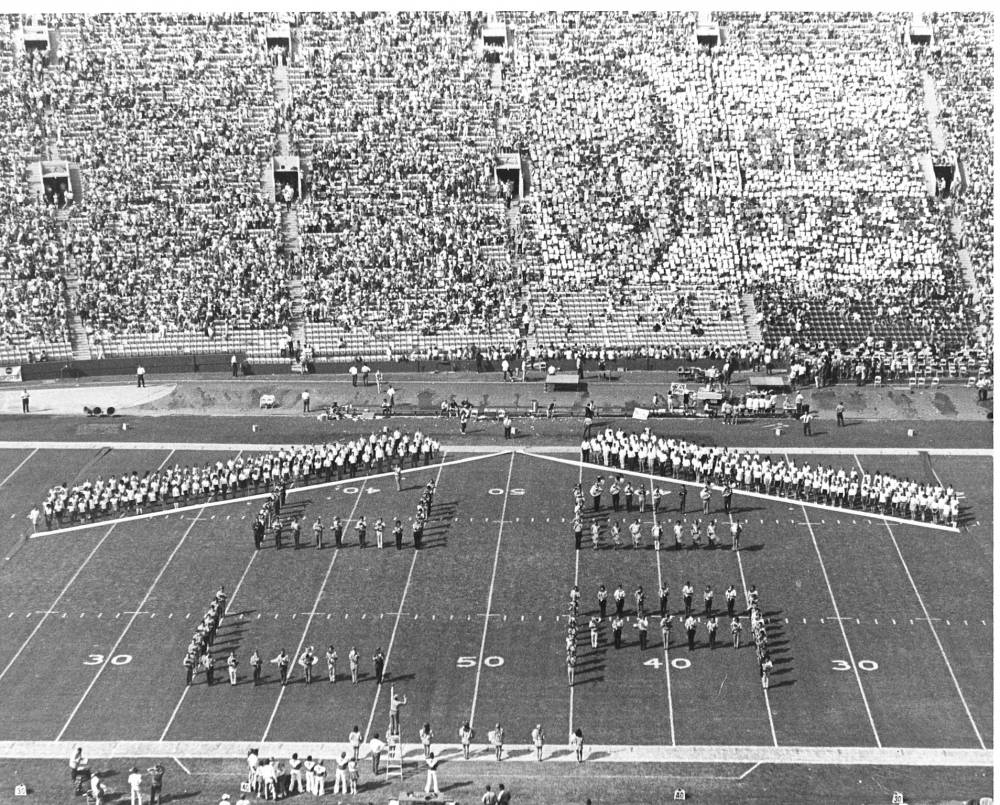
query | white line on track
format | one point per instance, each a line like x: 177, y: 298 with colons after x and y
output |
x: 840, y: 623
x: 309, y: 620
x: 183, y: 767
x: 489, y: 600
x: 746, y: 593
x: 13, y: 472
x: 62, y: 592
x: 399, y: 613
x: 114, y: 649
x: 930, y: 624
x: 259, y: 496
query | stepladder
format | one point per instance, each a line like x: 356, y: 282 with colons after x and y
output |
x: 394, y: 756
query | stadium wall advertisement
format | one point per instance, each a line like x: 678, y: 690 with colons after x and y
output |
x: 10, y: 374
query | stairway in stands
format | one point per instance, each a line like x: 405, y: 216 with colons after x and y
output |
x: 77, y: 332
x: 289, y: 215
x: 749, y: 310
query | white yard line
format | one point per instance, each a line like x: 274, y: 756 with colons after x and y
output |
x: 666, y: 664
x: 840, y: 623
x: 309, y: 620
x: 930, y: 624
x: 13, y: 472
x: 576, y: 583
x: 62, y: 592
x: 183, y: 767
x: 184, y: 693
x: 489, y: 600
x: 399, y: 613
x: 114, y: 649
x: 164, y: 462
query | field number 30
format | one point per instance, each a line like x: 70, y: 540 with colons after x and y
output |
x: 864, y: 665
x: 98, y: 659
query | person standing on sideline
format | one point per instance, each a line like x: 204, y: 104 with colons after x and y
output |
x: 712, y: 624
x: 25, y: 400
x: 231, y: 664
x: 426, y: 737
x: 706, y: 498
x: 156, y: 773
x: 140, y: 376
x: 465, y: 738
x: 331, y: 663
x: 296, y: 528
x: 432, y: 776
x: 616, y: 630
x: 305, y: 401
x: 727, y: 497
x: 378, y: 661
x: 353, y: 372
x: 340, y: 775
x: 807, y: 419
x: 506, y: 426
x: 33, y: 516
x: 353, y: 660
x: 319, y: 779
x: 318, y: 532
x: 840, y: 415
x: 395, y: 702
x: 376, y: 746
x: 134, y: 786
x: 496, y: 738
x: 538, y: 740
x: 736, y: 627
x: 354, y: 741
x: 488, y: 797
x: 295, y: 774
x: 234, y: 364
x: 576, y: 739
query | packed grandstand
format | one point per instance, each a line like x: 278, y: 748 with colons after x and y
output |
x: 812, y: 187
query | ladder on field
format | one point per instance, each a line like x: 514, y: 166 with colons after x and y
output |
x: 394, y: 756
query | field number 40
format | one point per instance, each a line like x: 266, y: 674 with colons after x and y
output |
x: 489, y: 662
x: 864, y: 665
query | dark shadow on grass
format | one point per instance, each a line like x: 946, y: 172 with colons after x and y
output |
x: 783, y: 683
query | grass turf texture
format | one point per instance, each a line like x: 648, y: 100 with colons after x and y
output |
x: 432, y: 608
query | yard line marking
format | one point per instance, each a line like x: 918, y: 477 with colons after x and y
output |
x: 758, y: 495
x: 489, y: 599
x: 184, y: 693
x: 69, y: 583
x: 399, y: 613
x: 746, y: 592
x: 114, y: 649
x: 576, y: 582
x: 183, y: 767
x: 930, y: 624
x: 666, y: 663
x: 843, y: 632
x: 164, y: 462
x: 749, y: 771
x: 312, y: 614
x: 13, y: 472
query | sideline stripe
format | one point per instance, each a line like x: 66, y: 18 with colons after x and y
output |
x: 930, y: 623
x: 843, y: 632
x: 399, y: 613
x: 259, y: 496
x: 114, y: 649
x: 961, y: 452
x: 13, y: 472
x: 489, y: 600
x: 791, y: 502
x: 52, y: 606
x: 298, y: 651
x: 524, y: 753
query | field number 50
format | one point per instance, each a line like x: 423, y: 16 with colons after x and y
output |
x: 489, y: 662
x: 864, y: 665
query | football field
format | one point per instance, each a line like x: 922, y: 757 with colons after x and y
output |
x: 881, y: 632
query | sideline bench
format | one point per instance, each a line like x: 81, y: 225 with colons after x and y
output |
x: 564, y: 381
